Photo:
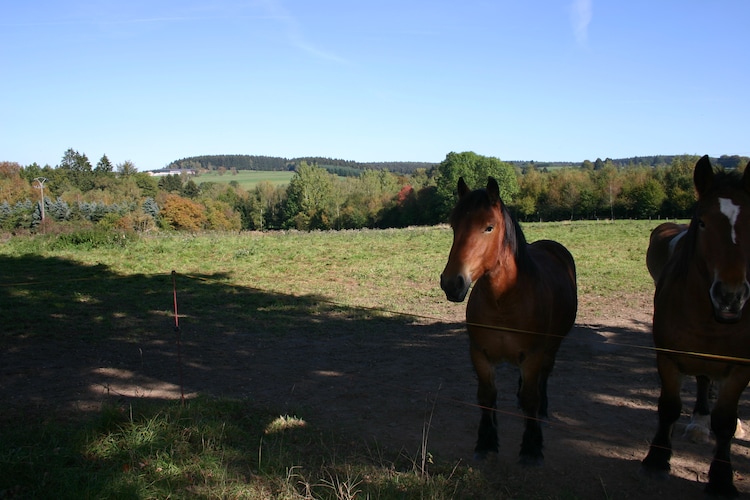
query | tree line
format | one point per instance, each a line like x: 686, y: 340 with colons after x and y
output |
x: 77, y: 193
x: 346, y: 168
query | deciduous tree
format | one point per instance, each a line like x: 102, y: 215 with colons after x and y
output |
x: 183, y: 214
x: 474, y: 169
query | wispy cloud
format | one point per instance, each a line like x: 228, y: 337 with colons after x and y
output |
x: 581, y: 12
x: 294, y: 33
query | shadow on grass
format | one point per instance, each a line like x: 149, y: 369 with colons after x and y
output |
x: 82, y: 344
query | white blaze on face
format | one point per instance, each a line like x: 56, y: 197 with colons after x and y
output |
x: 732, y: 211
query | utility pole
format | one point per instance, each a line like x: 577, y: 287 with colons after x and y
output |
x: 41, y: 181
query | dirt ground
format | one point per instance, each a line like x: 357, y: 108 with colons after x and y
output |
x: 385, y: 382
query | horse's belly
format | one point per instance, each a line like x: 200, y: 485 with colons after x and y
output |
x: 519, y: 327
x: 500, y: 346
x: 702, y: 348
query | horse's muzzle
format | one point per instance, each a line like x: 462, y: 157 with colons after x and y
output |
x: 729, y: 301
x: 455, y: 287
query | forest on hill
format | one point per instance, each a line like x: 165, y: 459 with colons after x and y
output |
x: 76, y: 194
x: 353, y: 168
x: 343, y: 168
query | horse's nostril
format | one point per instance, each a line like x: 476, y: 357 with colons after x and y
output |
x: 453, y: 283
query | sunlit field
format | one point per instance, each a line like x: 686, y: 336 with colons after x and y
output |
x: 247, y: 179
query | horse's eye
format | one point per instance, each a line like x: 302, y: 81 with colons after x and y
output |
x: 489, y: 228
x: 701, y: 224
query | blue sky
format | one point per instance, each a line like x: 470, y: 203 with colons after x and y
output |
x: 152, y: 81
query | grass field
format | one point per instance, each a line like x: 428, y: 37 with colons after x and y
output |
x: 247, y: 179
x: 55, y: 290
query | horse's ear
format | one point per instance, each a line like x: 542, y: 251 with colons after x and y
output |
x: 703, y: 175
x: 493, y: 189
x: 746, y: 178
x: 463, y: 189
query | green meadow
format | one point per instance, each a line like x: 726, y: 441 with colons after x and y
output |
x: 247, y: 179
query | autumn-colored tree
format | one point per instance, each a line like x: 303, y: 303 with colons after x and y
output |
x: 13, y: 188
x: 220, y: 216
x: 638, y: 185
x: 532, y: 188
x: 183, y: 214
x: 569, y: 194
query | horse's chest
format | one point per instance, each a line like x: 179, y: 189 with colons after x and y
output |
x: 709, y: 341
x: 511, y: 310
x: 505, y: 331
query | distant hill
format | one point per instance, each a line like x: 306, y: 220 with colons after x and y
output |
x: 353, y: 168
x: 273, y: 163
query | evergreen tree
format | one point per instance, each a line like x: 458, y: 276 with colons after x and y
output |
x: 150, y: 207
x: 57, y: 210
x: 78, y: 170
x: 104, y: 165
x: 171, y: 183
x: 190, y: 189
x: 126, y: 168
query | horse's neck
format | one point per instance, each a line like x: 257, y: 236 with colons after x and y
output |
x: 675, y: 240
x: 509, y: 276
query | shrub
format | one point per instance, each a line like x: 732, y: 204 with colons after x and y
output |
x: 97, y: 237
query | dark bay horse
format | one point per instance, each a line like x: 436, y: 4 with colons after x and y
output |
x: 699, y: 326
x: 523, y: 303
x: 661, y: 246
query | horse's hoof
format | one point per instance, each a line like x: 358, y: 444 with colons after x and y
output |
x: 484, y: 455
x: 651, y: 473
x: 722, y: 491
x: 697, y: 433
x: 529, y: 461
x: 739, y: 433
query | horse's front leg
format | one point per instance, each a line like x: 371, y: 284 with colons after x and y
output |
x: 530, y: 397
x: 487, y: 398
x: 724, y: 424
x: 656, y: 463
x: 698, y: 430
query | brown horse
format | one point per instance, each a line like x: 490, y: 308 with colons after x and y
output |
x: 699, y: 327
x: 523, y: 303
x: 661, y: 246
x: 664, y: 238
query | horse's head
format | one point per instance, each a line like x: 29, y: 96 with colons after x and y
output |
x: 722, y: 231
x: 480, y: 224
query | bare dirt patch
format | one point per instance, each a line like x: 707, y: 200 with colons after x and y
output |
x: 383, y: 379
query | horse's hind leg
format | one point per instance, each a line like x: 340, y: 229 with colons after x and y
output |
x: 698, y: 430
x: 486, y: 397
x: 543, y: 402
x: 656, y: 462
x: 530, y: 399
x: 723, y: 424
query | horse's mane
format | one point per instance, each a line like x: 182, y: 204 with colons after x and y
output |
x: 722, y: 179
x: 515, y: 240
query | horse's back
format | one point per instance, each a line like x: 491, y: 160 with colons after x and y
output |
x: 557, y: 269
x: 553, y: 257
x: 661, y: 246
